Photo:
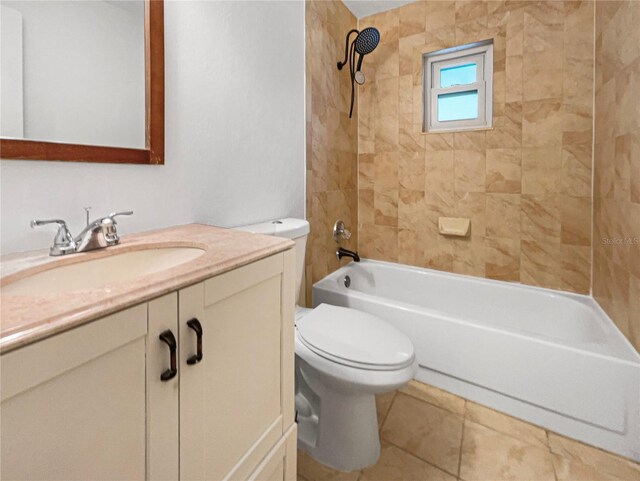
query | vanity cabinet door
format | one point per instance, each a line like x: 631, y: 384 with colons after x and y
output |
x: 162, y: 395
x: 73, y: 406
x: 235, y: 402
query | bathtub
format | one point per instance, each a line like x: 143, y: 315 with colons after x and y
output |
x: 552, y: 358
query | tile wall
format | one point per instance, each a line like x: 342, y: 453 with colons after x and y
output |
x: 616, y: 273
x: 332, y: 140
x: 525, y: 184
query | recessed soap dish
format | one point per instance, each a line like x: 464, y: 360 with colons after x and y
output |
x: 454, y: 226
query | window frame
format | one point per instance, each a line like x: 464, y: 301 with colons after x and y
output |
x: 480, y: 54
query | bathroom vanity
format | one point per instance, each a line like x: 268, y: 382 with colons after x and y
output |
x: 182, y: 373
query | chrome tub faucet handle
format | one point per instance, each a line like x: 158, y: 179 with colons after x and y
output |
x: 340, y: 232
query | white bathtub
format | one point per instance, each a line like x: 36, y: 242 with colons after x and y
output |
x: 552, y: 358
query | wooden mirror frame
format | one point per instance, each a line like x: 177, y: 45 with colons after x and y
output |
x: 153, y: 153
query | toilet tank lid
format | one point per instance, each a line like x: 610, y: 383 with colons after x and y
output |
x: 288, y: 227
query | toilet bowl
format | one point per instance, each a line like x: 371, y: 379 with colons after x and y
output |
x: 344, y: 357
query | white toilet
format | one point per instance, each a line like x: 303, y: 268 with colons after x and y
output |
x: 343, y: 358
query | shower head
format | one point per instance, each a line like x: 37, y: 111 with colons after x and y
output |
x: 367, y: 40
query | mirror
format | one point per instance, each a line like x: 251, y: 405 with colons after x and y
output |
x: 82, y: 80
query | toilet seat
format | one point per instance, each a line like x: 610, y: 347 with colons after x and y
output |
x: 354, y: 338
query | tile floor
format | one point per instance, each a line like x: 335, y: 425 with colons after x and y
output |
x: 429, y: 434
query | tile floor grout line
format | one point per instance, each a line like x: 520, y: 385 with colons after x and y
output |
x: 413, y: 455
x: 386, y: 415
x: 464, y: 423
x: 433, y: 404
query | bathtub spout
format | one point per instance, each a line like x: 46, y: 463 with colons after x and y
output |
x: 342, y: 252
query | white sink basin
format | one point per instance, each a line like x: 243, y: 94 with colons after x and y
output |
x: 99, y: 272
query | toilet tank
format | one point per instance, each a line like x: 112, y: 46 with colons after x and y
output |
x: 295, y: 229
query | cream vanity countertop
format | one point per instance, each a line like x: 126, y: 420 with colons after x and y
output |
x: 24, y: 319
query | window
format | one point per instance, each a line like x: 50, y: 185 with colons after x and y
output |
x: 458, y: 88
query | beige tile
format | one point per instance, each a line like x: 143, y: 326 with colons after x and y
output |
x: 470, y: 140
x: 575, y: 263
x: 542, y: 73
x: 434, y: 396
x: 410, y: 209
x: 514, y: 78
x: 539, y: 264
x: 426, y: 431
x: 439, y: 171
x: 437, y: 251
x: 634, y: 168
x: 472, y: 206
x: 383, y: 403
x: 503, y: 215
x: 504, y: 424
x: 543, y: 29
x: 569, y: 470
x: 412, y: 19
x: 410, y: 53
x: 311, y: 470
x: 411, y: 171
x: 440, y: 24
x: 409, y: 251
x: 490, y: 455
x: 470, y: 10
x: 469, y: 171
x: 577, y: 123
x: 577, y: 169
x: 507, y: 128
x: 469, y: 257
x: 627, y: 112
x: 397, y: 465
x: 438, y: 142
x: 541, y: 217
x: 542, y: 123
x: 504, y: 171
x: 603, y: 462
x: 634, y: 311
x: 437, y: 204
x: 387, y: 128
x: 385, y: 205
x: 515, y: 32
x: 541, y: 170
x: 502, y: 259
x: 471, y: 30
x: 576, y: 220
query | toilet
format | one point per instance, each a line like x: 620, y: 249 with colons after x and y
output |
x: 344, y: 357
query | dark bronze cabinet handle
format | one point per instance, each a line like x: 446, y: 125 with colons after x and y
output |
x: 196, y: 326
x: 168, y: 337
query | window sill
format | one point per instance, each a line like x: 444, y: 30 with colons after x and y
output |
x: 458, y: 130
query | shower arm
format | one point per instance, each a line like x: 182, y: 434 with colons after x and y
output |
x: 346, y: 49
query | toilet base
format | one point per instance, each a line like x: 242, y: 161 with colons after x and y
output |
x: 346, y: 431
x: 336, y: 408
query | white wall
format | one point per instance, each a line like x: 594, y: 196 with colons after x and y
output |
x: 11, y: 110
x: 83, y: 71
x: 234, y: 134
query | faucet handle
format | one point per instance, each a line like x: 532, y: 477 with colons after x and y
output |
x: 115, y: 214
x: 63, y: 242
x: 340, y: 232
x: 109, y: 229
x: 38, y: 223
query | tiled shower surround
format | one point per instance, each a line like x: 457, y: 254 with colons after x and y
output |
x: 525, y: 184
x: 332, y: 140
x: 616, y: 273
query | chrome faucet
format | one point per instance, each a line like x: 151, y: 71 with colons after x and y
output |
x: 98, y: 234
